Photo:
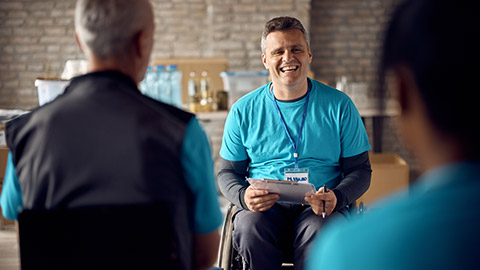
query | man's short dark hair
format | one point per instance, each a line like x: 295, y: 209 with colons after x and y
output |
x: 438, y: 40
x: 283, y: 24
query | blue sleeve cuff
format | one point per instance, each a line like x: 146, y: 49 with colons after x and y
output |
x: 11, y: 198
x: 198, y: 172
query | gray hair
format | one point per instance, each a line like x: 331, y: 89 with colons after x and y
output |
x: 283, y: 24
x: 106, y: 27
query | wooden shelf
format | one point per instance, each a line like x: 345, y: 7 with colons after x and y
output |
x: 212, y: 116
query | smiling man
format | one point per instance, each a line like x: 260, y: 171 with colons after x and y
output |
x: 292, y: 124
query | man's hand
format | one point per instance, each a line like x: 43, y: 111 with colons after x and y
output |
x: 316, y: 201
x: 258, y: 200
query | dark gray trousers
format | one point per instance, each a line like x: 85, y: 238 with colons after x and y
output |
x: 281, y: 234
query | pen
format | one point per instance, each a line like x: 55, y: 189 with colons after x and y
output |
x: 323, y: 212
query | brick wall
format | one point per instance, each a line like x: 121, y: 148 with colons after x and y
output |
x: 345, y: 40
x: 36, y: 37
x: 219, y: 28
x: 346, y: 36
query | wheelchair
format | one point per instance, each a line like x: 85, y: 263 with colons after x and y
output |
x: 230, y: 259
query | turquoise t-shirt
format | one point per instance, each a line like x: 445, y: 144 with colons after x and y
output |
x: 198, y: 171
x: 435, y: 226
x: 11, y: 199
x: 333, y: 129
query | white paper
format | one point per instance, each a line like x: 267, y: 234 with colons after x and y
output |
x: 289, y: 191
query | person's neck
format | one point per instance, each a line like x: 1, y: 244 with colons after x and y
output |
x: 96, y: 65
x: 290, y: 93
x: 440, y: 151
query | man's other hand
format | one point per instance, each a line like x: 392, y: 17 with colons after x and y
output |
x: 258, y: 200
x: 316, y: 202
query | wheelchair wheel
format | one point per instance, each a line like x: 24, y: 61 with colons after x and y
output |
x: 228, y: 257
x: 225, y: 256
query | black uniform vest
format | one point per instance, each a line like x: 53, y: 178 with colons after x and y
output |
x: 103, y: 143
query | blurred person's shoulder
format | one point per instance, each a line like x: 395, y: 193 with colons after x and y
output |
x: 412, y: 228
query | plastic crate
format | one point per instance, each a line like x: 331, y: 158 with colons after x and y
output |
x: 239, y: 83
x: 48, y: 90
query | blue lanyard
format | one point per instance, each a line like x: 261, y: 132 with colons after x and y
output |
x: 294, y: 145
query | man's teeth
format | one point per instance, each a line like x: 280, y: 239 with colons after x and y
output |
x: 289, y: 68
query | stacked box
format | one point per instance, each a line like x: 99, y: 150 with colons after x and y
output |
x: 390, y: 174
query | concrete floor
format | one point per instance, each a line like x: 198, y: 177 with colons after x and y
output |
x: 9, y: 252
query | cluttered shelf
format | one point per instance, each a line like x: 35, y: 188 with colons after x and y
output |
x: 212, y: 116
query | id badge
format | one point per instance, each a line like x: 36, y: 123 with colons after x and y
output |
x: 296, y: 174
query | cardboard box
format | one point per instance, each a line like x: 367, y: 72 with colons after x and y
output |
x: 3, y: 153
x: 213, y: 66
x: 390, y: 173
x: 3, y: 164
x: 3, y: 160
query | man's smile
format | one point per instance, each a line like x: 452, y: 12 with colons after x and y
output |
x: 289, y: 68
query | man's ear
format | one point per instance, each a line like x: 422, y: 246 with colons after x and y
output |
x: 77, y: 40
x: 264, y: 61
x: 406, y: 87
x: 139, y: 40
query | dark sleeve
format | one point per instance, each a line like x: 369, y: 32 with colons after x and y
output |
x: 231, y: 181
x: 357, y: 173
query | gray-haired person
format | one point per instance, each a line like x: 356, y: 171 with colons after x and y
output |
x: 293, y: 122
x: 103, y: 143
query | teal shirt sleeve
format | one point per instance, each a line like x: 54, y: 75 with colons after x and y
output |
x: 232, y: 146
x: 198, y: 171
x: 353, y: 136
x: 11, y: 198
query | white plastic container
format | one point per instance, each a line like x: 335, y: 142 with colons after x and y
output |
x: 74, y: 68
x: 48, y: 90
x: 239, y: 83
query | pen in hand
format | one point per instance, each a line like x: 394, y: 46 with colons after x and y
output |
x: 323, y: 212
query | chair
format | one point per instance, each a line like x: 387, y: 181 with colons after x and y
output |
x: 230, y: 259
x: 115, y: 237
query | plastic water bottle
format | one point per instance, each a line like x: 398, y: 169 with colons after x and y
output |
x: 175, y: 86
x: 159, y: 91
x: 193, y: 93
x: 143, y: 84
x: 205, y: 93
x: 204, y: 87
x: 147, y: 86
x: 166, y: 84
